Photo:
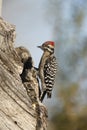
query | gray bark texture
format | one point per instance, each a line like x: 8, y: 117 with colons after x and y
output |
x: 20, y: 107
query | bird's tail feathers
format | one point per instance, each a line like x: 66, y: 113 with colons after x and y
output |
x: 49, y: 94
x: 42, y: 96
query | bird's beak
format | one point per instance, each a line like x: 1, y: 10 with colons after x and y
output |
x: 39, y: 47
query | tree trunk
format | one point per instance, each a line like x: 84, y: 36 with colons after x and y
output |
x: 16, y: 108
x: 0, y: 7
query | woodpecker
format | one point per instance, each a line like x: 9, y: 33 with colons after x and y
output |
x: 47, y: 69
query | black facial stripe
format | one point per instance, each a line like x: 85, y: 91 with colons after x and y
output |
x: 49, y: 49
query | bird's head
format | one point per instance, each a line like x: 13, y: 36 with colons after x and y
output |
x: 48, y: 46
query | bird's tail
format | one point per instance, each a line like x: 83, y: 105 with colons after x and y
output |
x: 49, y: 94
x: 42, y: 96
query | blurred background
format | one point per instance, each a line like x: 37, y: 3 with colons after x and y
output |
x: 65, y: 22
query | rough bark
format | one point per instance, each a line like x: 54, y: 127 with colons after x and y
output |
x: 16, y: 107
x: 0, y: 7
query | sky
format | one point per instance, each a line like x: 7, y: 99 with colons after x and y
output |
x: 32, y: 28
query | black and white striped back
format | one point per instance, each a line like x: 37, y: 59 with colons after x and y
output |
x: 50, y: 69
